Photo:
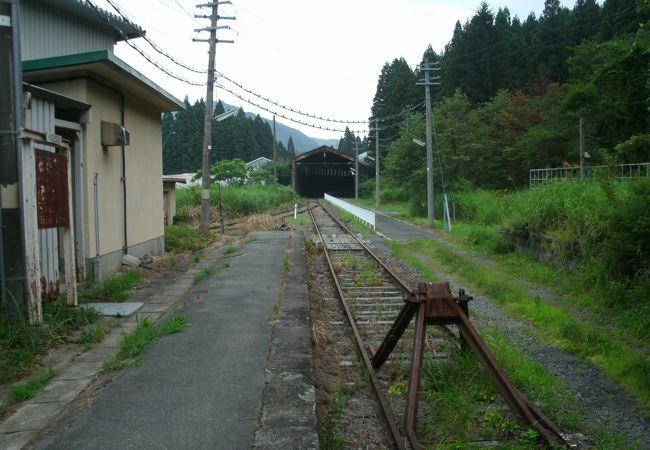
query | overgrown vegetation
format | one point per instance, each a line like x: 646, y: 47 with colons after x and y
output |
x: 615, y: 353
x: 461, y: 396
x: 139, y: 339
x: 331, y: 433
x: 29, y: 389
x: 21, y: 343
x: 237, y: 201
x: 117, y: 288
x: 602, y: 230
x: 179, y: 238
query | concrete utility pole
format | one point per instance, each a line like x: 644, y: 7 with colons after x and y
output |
x: 377, y: 164
x: 13, y: 300
x: 427, y: 83
x: 356, y: 169
x: 209, y: 100
x: 275, y: 156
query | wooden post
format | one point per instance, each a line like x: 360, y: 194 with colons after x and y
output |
x: 30, y: 223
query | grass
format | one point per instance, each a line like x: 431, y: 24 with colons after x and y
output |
x: 619, y: 361
x: 92, y: 334
x: 116, y: 288
x: 133, y: 344
x: 286, y: 266
x: 22, y: 343
x: 300, y: 220
x: 332, y: 431
x: 238, y: 201
x: 203, y: 274
x: 30, y: 388
x: 464, y: 403
x: 179, y: 238
x: 230, y: 250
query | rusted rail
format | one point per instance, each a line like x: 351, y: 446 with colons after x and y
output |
x: 433, y: 304
x: 363, y: 352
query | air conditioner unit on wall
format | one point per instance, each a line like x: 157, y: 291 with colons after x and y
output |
x: 114, y: 135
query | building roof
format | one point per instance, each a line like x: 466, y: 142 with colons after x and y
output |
x: 59, y: 100
x: 325, y: 149
x: 260, y: 160
x: 105, y: 66
x: 122, y: 28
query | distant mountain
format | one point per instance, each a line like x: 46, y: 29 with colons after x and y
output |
x: 301, y: 141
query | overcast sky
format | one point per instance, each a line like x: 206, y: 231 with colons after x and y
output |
x: 321, y: 57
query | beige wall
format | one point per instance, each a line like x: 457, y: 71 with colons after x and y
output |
x: 143, y: 168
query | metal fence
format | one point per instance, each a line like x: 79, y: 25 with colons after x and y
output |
x: 620, y: 172
x: 365, y: 216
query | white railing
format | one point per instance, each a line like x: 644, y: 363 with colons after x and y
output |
x: 365, y: 216
x: 620, y: 172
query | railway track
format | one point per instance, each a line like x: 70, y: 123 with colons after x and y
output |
x: 375, y: 304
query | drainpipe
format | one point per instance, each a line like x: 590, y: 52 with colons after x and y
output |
x: 97, y: 272
x: 125, y: 247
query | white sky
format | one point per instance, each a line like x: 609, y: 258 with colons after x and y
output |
x: 321, y: 57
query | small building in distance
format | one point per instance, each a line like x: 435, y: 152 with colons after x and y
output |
x: 258, y: 163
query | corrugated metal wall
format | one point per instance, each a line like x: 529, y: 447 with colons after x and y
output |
x: 40, y: 117
x: 47, y: 32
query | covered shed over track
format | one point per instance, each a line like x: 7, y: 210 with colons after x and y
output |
x: 324, y: 170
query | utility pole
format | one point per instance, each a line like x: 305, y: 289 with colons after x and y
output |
x: 356, y: 169
x: 207, y: 123
x: 427, y: 83
x: 582, y: 126
x: 377, y: 164
x: 13, y: 285
x: 275, y: 156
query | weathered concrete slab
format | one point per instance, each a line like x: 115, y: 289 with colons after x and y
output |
x: 288, y: 418
x: 61, y: 391
x: 30, y: 417
x: 114, y: 309
x: 15, y: 441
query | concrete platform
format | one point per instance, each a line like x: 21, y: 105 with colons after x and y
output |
x: 240, y: 376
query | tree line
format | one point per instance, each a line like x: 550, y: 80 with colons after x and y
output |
x: 511, y: 94
x: 240, y: 136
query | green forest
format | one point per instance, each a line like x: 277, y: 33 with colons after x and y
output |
x: 512, y: 92
x: 239, y: 136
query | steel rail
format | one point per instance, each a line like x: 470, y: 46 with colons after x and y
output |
x: 513, y: 397
x: 407, y: 290
x: 383, y: 402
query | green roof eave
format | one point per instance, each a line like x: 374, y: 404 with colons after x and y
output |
x: 104, y: 57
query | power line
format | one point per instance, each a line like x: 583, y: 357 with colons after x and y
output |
x: 154, y: 45
x: 311, y: 125
x: 288, y: 108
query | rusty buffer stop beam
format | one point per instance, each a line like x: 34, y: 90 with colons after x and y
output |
x: 435, y: 305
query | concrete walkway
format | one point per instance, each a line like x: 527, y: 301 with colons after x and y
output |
x: 234, y: 379
x: 399, y: 230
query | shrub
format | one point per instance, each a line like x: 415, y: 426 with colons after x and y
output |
x: 179, y: 238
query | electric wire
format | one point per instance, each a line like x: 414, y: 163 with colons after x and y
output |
x: 276, y: 113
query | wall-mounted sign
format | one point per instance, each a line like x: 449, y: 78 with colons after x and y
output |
x: 52, y: 201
